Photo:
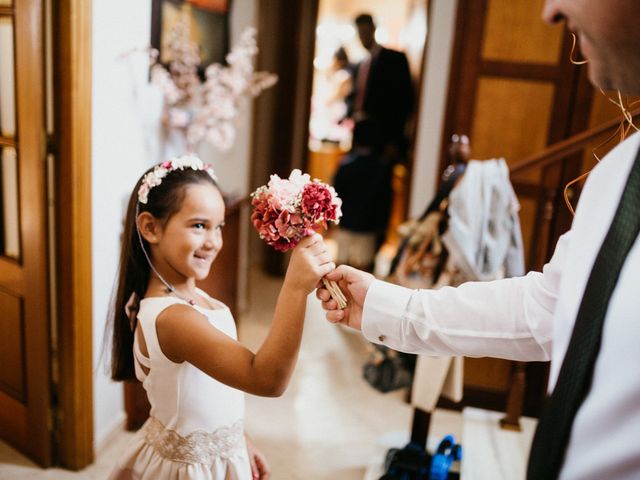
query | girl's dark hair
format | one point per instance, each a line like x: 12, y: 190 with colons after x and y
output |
x: 164, y: 200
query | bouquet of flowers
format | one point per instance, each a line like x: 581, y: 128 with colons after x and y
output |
x: 287, y: 210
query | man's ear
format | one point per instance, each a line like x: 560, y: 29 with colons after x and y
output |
x: 149, y: 227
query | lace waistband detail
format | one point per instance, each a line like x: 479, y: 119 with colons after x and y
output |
x: 197, y: 447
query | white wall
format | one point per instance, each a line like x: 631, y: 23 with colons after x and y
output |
x: 432, y: 104
x: 123, y: 131
x: 232, y: 167
x: 119, y: 157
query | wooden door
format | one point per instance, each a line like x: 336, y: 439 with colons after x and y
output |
x: 25, y: 420
x: 514, y: 91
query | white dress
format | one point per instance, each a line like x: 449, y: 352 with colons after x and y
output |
x: 195, y: 429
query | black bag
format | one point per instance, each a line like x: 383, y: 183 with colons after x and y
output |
x: 387, y: 370
x: 413, y: 462
x: 409, y: 463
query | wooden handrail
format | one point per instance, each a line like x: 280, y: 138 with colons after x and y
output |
x: 7, y: 142
x: 566, y: 147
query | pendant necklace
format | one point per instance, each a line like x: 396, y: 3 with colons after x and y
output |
x: 169, y: 288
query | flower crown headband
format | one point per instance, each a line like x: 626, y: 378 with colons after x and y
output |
x: 154, y: 178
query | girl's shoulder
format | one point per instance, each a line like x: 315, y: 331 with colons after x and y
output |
x: 173, y: 312
x: 169, y: 324
x: 150, y: 314
x: 150, y: 307
x: 184, y: 329
x: 155, y: 305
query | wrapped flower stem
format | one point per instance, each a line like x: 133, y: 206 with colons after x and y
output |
x: 335, y: 292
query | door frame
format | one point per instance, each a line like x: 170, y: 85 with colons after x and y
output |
x: 286, y: 36
x: 72, y: 64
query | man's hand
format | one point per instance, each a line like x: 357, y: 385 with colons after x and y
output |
x: 354, y: 284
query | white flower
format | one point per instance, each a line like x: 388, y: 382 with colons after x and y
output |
x: 154, y: 178
x: 298, y: 178
x: 179, y: 117
x: 222, y: 135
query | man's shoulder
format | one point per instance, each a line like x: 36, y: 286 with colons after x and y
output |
x: 391, y: 53
x: 393, y: 59
x: 611, y: 173
x: 620, y: 158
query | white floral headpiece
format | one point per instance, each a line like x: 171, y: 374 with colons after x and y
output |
x: 154, y: 178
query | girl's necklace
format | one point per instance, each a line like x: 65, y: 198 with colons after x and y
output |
x: 172, y: 291
x: 170, y: 288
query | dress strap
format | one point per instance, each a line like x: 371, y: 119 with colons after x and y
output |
x: 139, y: 359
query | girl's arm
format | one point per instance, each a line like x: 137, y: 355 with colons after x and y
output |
x: 186, y: 335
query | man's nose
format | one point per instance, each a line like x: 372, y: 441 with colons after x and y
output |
x: 551, y: 12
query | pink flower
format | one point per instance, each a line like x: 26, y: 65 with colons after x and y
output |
x: 317, y: 203
x: 284, y: 193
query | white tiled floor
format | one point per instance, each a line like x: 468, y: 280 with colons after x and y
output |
x: 330, y: 424
x: 492, y: 452
x: 14, y: 466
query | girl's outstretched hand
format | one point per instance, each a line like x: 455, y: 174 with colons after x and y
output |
x: 260, y: 469
x: 310, y: 261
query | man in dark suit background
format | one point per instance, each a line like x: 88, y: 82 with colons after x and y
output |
x: 379, y: 105
x: 383, y: 94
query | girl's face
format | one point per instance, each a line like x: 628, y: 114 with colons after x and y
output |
x: 191, y: 239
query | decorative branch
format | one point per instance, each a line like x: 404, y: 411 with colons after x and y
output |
x: 207, y: 110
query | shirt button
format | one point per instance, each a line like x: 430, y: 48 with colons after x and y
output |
x: 382, y: 338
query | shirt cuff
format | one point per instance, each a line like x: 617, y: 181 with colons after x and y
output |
x: 383, y: 310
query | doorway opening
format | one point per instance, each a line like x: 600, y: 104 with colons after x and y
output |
x: 400, y: 25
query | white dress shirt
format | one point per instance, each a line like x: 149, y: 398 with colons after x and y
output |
x: 531, y: 318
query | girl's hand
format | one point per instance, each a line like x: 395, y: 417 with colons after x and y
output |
x: 310, y: 261
x: 259, y: 467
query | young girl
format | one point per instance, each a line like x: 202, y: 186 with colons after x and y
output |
x: 182, y: 344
